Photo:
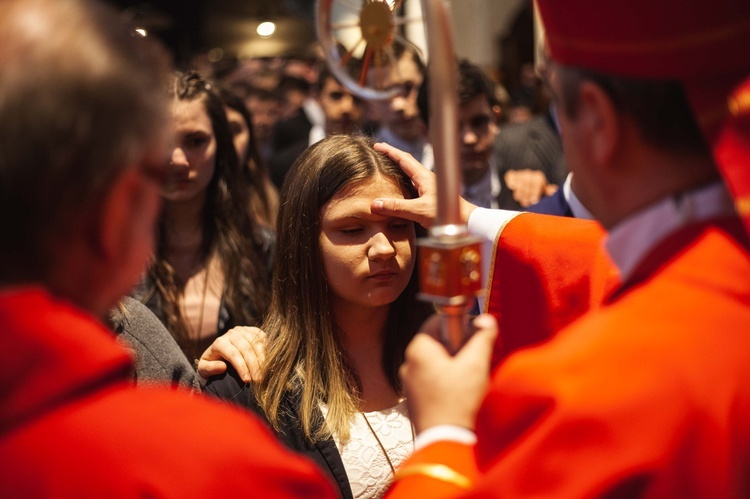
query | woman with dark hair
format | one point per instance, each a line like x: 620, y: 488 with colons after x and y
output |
x: 264, y: 198
x: 343, y: 308
x: 211, y: 270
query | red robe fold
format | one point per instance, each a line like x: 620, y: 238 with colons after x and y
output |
x: 72, y: 424
x: 648, y: 395
x: 540, y: 282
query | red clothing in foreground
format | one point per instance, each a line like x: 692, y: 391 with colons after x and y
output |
x: 72, y: 424
x: 646, y: 396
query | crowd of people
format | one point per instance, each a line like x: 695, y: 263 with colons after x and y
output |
x: 198, y: 296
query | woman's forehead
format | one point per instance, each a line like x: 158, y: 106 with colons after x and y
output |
x: 362, y: 192
x: 373, y: 185
x: 191, y: 112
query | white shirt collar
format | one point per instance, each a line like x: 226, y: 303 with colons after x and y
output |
x: 317, y: 133
x: 630, y: 240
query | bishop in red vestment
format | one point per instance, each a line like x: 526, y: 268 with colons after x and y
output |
x: 641, y: 389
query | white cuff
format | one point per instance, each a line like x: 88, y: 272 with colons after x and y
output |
x: 485, y: 223
x: 445, y: 433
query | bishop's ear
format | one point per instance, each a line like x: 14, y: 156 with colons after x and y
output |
x: 127, y: 218
x: 600, y: 120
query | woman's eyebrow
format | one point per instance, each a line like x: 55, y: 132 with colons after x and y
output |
x: 345, y: 216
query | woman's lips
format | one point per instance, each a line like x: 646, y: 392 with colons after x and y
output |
x: 384, y: 275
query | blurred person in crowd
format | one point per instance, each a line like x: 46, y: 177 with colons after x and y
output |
x: 306, y: 68
x: 293, y: 92
x: 527, y: 100
x: 529, y: 153
x: 531, y: 161
x: 478, y: 129
x: 264, y: 198
x: 332, y: 110
x: 211, y: 269
x: 264, y: 106
x: 400, y: 122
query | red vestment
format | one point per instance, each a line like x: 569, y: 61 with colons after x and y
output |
x: 648, y: 395
x: 72, y: 424
x: 540, y: 282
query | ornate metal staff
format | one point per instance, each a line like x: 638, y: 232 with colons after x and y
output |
x: 367, y: 32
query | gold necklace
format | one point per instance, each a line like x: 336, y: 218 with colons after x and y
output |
x: 382, y: 447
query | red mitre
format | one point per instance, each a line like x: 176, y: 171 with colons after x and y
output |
x: 703, y: 44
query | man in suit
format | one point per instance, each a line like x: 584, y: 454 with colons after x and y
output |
x: 334, y: 110
x: 87, y: 131
x: 477, y: 128
x: 264, y: 107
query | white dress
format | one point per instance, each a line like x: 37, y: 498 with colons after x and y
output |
x: 364, y: 460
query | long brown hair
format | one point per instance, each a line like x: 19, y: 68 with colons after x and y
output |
x: 228, y: 230
x: 305, y: 355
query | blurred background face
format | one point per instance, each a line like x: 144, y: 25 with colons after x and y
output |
x: 291, y: 101
x: 265, y: 115
x: 477, y: 130
x: 401, y: 114
x: 343, y: 111
x: 240, y: 133
x: 194, y: 157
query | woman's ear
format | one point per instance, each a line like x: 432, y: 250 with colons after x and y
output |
x: 601, y: 122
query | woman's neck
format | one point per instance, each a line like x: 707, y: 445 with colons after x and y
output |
x: 184, y: 235
x: 361, y: 327
x: 362, y: 332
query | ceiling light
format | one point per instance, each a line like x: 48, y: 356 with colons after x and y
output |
x: 266, y: 29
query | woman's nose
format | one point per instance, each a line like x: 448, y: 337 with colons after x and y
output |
x: 179, y: 158
x: 381, y: 247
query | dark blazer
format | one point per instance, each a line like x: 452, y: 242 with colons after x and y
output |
x: 158, y: 357
x: 281, y: 161
x: 533, y: 145
x: 230, y: 388
x: 552, y: 205
x: 291, y: 137
x: 291, y: 130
